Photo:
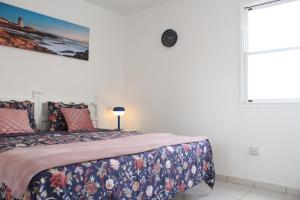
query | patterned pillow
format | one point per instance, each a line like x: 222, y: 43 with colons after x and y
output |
x: 55, y: 116
x: 78, y: 119
x: 21, y: 105
x: 14, y: 121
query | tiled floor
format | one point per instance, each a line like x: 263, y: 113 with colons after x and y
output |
x: 230, y: 191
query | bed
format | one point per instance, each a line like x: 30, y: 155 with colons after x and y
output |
x: 159, y: 173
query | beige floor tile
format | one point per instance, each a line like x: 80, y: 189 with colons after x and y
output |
x: 233, y: 191
x: 219, y: 183
x: 199, y: 190
x: 229, y: 191
x: 259, y: 194
x: 179, y: 197
x: 288, y: 197
x: 206, y: 197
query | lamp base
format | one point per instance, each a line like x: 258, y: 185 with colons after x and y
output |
x: 118, y: 129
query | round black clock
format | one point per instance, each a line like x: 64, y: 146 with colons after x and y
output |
x: 169, y: 38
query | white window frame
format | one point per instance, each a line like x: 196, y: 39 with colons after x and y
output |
x: 244, y: 100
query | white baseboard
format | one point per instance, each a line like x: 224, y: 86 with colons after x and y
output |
x: 241, y: 181
x: 258, y: 184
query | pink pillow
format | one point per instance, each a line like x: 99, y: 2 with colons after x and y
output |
x: 78, y: 119
x: 14, y: 121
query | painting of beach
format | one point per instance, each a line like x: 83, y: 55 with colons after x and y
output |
x: 28, y: 30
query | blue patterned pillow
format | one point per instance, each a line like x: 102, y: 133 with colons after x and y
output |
x: 55, y: 116
x: 21, y: 105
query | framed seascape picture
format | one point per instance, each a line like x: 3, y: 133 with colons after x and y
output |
x: 28, y: 30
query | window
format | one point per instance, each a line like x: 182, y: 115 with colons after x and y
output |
x: 271, y: 52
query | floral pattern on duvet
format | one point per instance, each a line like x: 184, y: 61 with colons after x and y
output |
x: 59, y: 137
x: 157, y: 174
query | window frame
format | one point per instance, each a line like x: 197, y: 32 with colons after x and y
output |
x: 244, y: 100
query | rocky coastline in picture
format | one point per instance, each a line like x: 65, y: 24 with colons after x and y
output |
x: 18, y: 41
x: 26, y: 37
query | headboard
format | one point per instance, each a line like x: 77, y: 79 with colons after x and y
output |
x: 41, y: 109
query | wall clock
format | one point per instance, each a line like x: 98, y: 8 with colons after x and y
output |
x: 169, y: 38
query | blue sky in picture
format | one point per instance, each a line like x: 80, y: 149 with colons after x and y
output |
x: 45, y: 23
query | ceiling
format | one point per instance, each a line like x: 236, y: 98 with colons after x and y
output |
x: 126, y: 7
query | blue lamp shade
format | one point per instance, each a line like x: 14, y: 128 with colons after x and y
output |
x: 119, y: 111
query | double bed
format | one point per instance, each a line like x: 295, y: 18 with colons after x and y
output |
x: 156, y: 172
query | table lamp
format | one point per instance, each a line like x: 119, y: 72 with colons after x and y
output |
x: 119, y: 111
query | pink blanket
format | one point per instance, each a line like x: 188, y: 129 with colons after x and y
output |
x: 20, y: 165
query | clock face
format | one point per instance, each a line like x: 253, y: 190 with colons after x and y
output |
x: 169, y: 38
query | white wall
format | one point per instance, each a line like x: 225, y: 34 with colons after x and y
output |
x: 193, y: 89
x: 23, y: 71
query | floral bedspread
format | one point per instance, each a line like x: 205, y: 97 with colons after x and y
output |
x: 157, y: 175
